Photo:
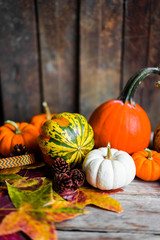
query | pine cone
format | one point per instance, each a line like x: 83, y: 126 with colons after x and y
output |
x: 64, y: 182
x: 78, y: 177
x: 18, y: 150
x: 60, y: 166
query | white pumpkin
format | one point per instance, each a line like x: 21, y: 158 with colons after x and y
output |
x: 107, y: 168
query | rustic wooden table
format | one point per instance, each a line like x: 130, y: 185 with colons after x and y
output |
x: 140, y: 218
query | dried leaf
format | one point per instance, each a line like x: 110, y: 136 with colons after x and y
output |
x: 98, y: 198
x: 30, y: 194
x: 38, y: 208
x: 4, y: 177
x: 10, y: 170
x: 21, y: 220
x: 62, y: 214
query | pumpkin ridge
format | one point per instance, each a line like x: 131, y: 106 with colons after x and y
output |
x: 56, y: 147
x: 97, y: 176
x: 61, y: 136
x: 72, y: 132
x: 59, y: 143
x: 26, y: 128
x: 66, y: 140
x: 28, y: 140
x: 85, y: 145
x: 5, y: 141
x: 83, y: 125
x: 80, y: 124
x: 154, y: 155
x: 143, y: 167
x: 29, y: 132
x: 23, y: 126
x: 89, y: 137
x: 101, y: 164
x: 97, y: 170
x: 5, y: 131
x: 123, y: 166
x: 113, y: 170
x: 154, y: 166
x: 72, y: 129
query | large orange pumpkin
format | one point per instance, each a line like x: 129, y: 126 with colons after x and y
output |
x: 12, y: 133
x: 39, y: 120
x: 122, y: 122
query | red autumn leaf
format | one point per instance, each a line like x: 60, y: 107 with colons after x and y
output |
x: 98, y: 198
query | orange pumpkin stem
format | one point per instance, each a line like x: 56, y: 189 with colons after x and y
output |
x: 17, y: 130
x: 109, y: 154
x: 149, y: 153
x: 47, y: 111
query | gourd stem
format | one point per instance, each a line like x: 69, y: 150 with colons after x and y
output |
x: 109, y: 154
x: 149, y: 153
x: 47, y: 111
x: 128, y: 92
x: 17, y: 130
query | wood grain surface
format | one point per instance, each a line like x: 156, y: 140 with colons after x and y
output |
x: 140, y: 218
x: 20, y: 88
x: 58, y: 26
x: 136, y: 37
x: 151, y: 96
x: 100, y: 52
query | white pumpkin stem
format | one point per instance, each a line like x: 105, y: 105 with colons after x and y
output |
x: 109, y: 154
x: 17, y: 130
x: 149, y: 153
x: 47, y: 111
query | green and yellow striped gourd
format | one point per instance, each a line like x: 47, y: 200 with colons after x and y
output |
x: 68, y: 136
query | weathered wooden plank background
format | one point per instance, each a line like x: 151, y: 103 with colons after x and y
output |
x: 75, y: 54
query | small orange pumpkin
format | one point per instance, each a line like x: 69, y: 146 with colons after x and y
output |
x: 147, y: 164
x: 39, y: 120
x: 12, y: 133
